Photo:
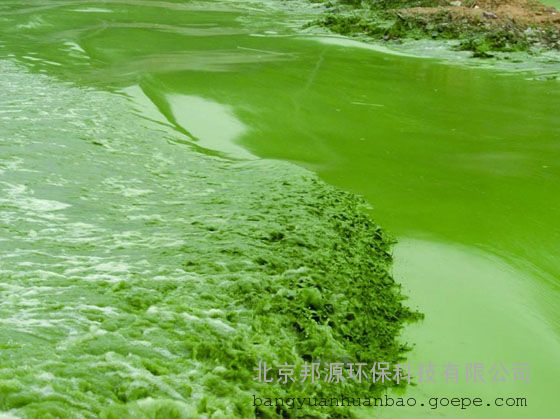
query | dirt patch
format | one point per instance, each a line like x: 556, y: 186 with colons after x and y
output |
x: 481, y: 26
x: 494, y: 12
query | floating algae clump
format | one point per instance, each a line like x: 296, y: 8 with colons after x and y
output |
x: 141, y: 279
x: 307, y: 282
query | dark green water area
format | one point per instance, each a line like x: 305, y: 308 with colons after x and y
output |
x: 178, y: 185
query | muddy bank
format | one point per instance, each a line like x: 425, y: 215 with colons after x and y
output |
x: 480, y: 26
x: 141, y: 278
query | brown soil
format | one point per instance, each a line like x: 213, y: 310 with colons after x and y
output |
x: 523, y: 13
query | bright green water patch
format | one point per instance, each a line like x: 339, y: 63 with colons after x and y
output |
x: 460, y: 163
x: 554, y: 3
x: 479, y: 310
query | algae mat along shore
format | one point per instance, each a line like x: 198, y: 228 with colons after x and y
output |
x: 178, y: 101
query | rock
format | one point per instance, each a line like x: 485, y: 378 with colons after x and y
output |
x: 489, y: 15
x: 456, y: 3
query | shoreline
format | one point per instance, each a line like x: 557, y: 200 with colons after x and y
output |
x: 482, y: 27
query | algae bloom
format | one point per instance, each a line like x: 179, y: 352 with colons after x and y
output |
x: 141, y: 279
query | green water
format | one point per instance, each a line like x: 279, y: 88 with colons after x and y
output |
x: 459, y: 163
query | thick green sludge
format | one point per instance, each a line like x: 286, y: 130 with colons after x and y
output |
x: 143, y: 280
